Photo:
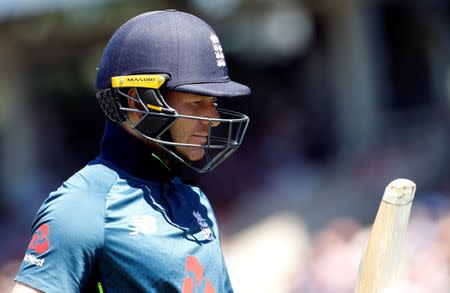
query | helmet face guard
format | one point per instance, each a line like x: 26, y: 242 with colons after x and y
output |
x: 225, y: 134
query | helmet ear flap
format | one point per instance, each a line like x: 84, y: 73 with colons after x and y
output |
x: 109, y: 101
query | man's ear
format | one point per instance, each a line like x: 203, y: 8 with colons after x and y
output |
x: 133, y: 104
x: 134, y: 117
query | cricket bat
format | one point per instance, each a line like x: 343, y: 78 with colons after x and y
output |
x: 381, y: 260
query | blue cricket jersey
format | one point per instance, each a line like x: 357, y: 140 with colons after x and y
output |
x: 126, y: 222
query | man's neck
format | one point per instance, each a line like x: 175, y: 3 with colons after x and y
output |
x: 138, y: 158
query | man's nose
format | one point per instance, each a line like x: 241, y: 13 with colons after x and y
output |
x: 211, y: 112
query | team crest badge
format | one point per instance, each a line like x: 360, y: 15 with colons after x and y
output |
x: 204, y: 226
x: 217, y: 50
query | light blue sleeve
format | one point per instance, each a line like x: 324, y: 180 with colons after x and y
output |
x: 67, y: 238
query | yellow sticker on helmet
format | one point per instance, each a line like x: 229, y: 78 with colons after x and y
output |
x: 152, y: 81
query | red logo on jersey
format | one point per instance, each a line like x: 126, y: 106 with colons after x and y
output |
x: 195, y: 280
x: 40, y: 243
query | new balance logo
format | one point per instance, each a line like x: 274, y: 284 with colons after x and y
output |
x: 143, y: 225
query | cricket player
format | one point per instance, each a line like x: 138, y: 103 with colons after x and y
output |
x: 126, y: 222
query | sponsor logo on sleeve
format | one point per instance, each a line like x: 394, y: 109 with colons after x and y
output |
x: 33, y: 260
x: 39, y: 244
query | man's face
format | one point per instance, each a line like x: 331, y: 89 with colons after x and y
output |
x: 190, y: 130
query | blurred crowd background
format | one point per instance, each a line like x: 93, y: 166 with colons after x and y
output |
x: 347, y: 96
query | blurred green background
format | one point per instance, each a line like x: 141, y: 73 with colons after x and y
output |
x: 347, y: 95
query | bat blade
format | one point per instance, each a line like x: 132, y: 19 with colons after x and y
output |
x: 379, y: 265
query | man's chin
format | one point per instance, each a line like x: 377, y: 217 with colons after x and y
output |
x: 197, y: 158
x: 191, y: 154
